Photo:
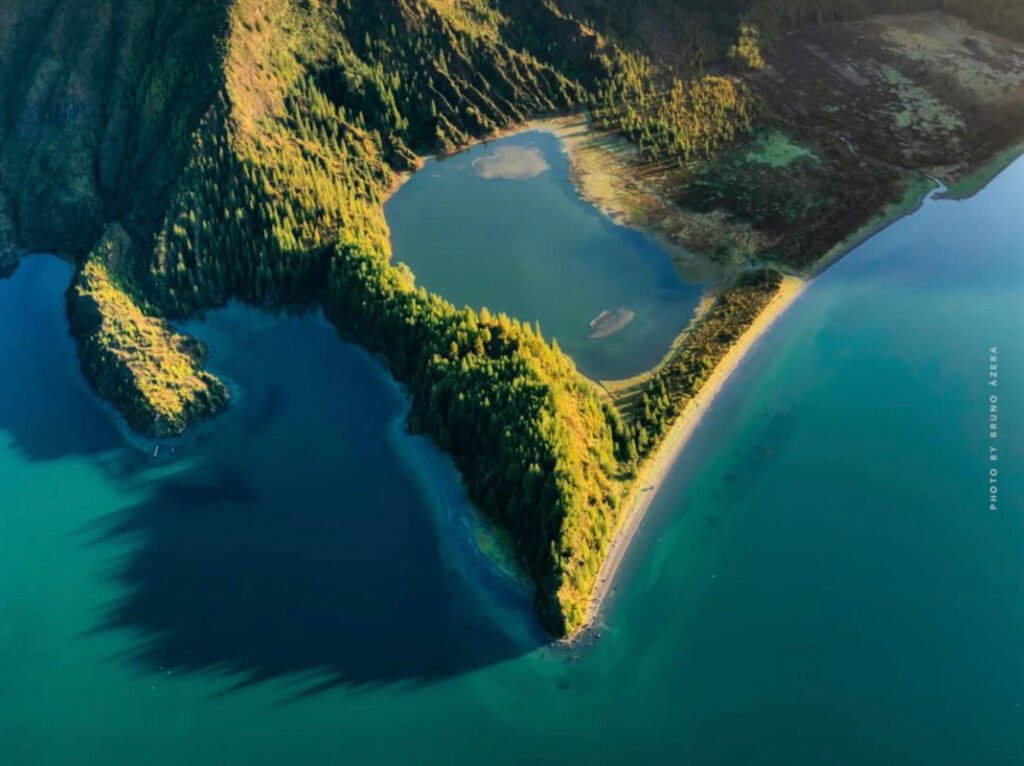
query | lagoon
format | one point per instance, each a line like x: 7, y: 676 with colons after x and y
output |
x: 501, y: 226
x: 821, y: 580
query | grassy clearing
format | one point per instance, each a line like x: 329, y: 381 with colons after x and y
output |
x: 611, y: 174
x: 775, y: 149
x: 914, y: 107
x: 948, y: 46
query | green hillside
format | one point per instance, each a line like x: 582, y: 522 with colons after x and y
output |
x: 187, y: 152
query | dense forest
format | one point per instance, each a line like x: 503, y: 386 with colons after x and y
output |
x: 280, y: 204
x: 154, y: 373
x: 244, y: 150
x: 679, y: 120
x: 654, y: 406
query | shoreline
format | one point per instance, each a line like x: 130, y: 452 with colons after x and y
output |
x: 611, y: 186
x: 657, y: 468
x: 976, y: 181
x: 918, y: 189
x: 599, y: 186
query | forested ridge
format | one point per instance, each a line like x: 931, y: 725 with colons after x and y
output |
x: 155, y: 374
x: 244, y: 149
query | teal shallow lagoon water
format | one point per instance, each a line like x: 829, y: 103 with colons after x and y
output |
x: 530, y: 247
x: 820, y: 580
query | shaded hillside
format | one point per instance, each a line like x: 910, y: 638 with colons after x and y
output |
x: 98, y: 102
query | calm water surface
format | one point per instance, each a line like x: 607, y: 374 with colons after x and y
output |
x: 530, y: 247
x: 821, y: 581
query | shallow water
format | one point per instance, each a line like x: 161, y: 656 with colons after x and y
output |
x: 820, y: 581
x: 493, y: 227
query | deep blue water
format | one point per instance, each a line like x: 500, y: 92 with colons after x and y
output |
x: 276, y: 539
x: 821, y: 581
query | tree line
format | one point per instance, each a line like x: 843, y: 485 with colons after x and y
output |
x: 288, y: 211
x: 672, y: 118
x: 280, y: 204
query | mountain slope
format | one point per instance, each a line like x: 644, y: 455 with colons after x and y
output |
x: 187, y: 152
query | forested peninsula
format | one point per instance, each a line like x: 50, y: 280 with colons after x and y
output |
x: 191, y: 152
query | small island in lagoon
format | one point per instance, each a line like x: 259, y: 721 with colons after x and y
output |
x: 534, y: 249
x: 609, y: 322
x: 270, y: 189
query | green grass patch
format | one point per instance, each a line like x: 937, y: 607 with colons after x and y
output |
x: 775, y: 149
x: 917, y: 108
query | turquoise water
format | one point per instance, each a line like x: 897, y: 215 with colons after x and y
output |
x: 534, y: 250
x: 821, y: 581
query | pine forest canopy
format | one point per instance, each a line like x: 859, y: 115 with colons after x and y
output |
x: 190, y: 152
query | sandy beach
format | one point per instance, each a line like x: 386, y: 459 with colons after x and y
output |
x: 602, y: 170
x: 654, y: 471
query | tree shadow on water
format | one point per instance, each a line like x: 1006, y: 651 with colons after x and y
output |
x: 226, y: 578
x: 281, y: 542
